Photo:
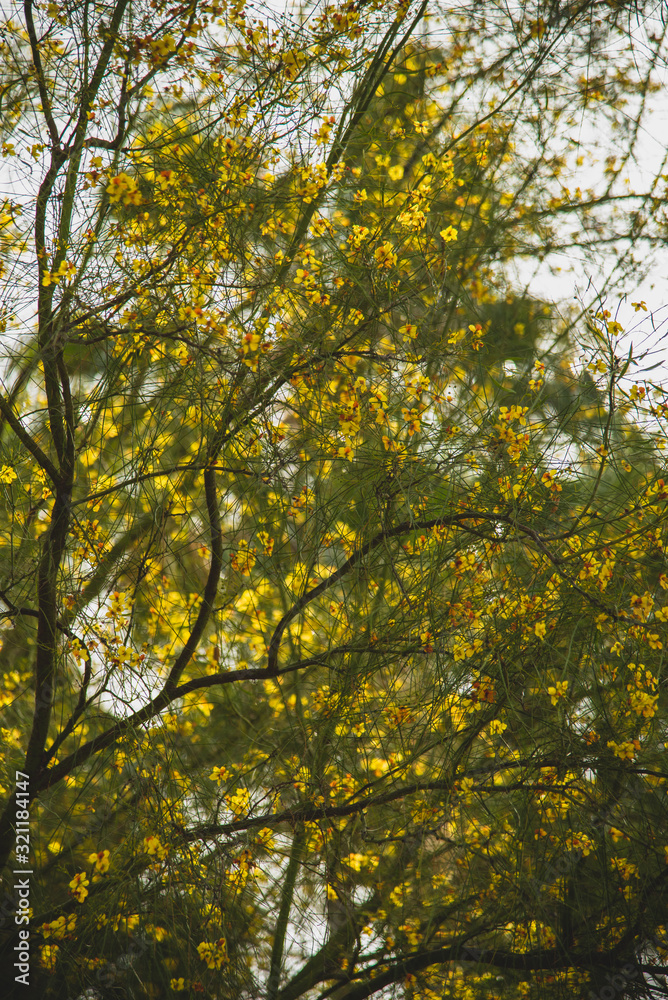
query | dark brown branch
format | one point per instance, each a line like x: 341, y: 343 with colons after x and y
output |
x: 42, y: 460
x: 460, y: 951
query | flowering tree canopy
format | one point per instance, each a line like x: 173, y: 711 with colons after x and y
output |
x: 332, y: 573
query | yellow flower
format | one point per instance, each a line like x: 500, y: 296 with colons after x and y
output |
x: 355, y: 861
x: 548, y: 479
x: 124, y: 188
x: 540, y: 628
x: 626, y: 750
x: 385, y: 255
x: 625, y: 868
x: 48, y: 956
x: 59, y: 928
x: 7, y: 474
x: 265, y: 838
x: 152, y: 845
x: 322, y: 135
x: 239, y: 803
x: 409, y: 331
x: 100, y: 860
x: 558, y: 692
x: 449, y: 234
x: 643, y: 704
x: 219, y: 774
x: 78, y: 887
x: 266, y: 541
x: 161, y: 48
x: 167, y: 179
x: 65, y: 270
x: 244, y: 559
x: 422, y: 128
x: 581, y: 842
x: 213, y: 953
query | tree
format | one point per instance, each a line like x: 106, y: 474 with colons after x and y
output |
x: 333, y: 555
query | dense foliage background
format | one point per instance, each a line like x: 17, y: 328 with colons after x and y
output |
x: 332, y: 552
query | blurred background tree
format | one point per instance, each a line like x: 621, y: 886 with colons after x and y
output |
x: 333, y: 551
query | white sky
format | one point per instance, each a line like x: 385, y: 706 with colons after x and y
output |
x: 584, y: 277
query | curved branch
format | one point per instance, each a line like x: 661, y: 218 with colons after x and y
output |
x: 460, y: 951
x: 350, y: 563
x: 452, y: 521
x: 39, y: 73
x: 170, y: 688
x: 42, y: 460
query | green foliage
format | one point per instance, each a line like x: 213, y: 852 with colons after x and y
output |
x: 333, y: 565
